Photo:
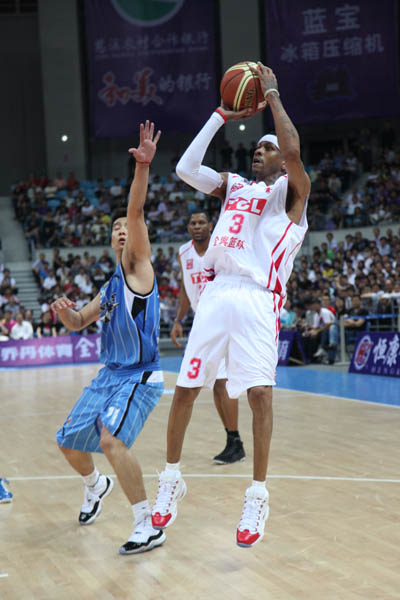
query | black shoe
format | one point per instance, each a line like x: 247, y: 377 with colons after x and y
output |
x: 91, y: 507
x: 233, y: 452
x: 143, y: 539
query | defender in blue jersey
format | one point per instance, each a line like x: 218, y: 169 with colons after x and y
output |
x: 112, y: 410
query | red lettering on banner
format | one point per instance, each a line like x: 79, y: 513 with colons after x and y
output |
x: 255, y: 206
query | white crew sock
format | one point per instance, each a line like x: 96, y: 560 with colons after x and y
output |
x: 172, y: 466
x: 91, y: 479
x: 140, y: 511
x: 259, y: 484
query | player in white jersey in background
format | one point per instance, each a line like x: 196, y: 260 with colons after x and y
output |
x: 251, y: 252
x: 193, y: 281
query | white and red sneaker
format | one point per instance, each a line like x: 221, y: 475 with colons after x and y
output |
x: 171, y: 489
x: 254, y: 514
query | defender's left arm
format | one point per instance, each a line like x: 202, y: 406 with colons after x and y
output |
x: 137, y: 253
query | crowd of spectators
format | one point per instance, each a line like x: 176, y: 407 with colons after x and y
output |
x: 78, y: 276
x: 65, y: 212
x: 352, y: 278
x: 337, y: 203
x: 355, y: 277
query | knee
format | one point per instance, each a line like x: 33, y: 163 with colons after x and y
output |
x: 110, y: 444
x: 65, y: 451
x: 185, y: 397
x: 260, y: 400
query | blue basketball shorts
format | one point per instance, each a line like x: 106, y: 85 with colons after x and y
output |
x: 117, y: 400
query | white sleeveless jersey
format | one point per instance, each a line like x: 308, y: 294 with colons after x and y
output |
x: 254, y: 237
x: 194, y: 278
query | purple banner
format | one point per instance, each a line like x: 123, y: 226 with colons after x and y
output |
x: 150, y: 60
x: 50, y: 351
x: 376, y: 353
x: 334, y: 60
x: 290, y: 348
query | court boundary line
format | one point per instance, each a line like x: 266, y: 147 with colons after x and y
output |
x: 224, y: 476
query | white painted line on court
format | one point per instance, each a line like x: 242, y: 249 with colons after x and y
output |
x: 3, y: 574
x: 227, y: 476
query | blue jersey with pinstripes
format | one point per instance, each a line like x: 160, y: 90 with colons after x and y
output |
x: 131, y: 325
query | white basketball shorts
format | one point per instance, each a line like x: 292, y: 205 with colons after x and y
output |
x: 239, y: 320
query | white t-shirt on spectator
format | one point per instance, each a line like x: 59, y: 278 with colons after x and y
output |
x: 79, y: 280
x: 116, y: 190
x: 23, y: 331
x: 49, y: 283
x: 323, y: 317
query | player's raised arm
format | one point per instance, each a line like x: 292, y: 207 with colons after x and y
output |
x: 138, y: 246
x: 190, y: 169
x: 289, y: 142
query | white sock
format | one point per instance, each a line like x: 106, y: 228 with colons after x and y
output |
x: 140, y: 511
x: 91, y: 479
x: 259, y: 484
x: 172, y: 466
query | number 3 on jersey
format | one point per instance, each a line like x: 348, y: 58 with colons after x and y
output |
x: 196, y: 364
x: 238, y: 222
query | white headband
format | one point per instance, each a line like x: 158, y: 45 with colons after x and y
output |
x: 270, y: 138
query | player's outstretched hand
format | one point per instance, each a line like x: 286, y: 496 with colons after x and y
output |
x: 62, y: 304
x: 176, y: 332
x: 267, y: 77
x: 148, y: 144
x: 234, y: 115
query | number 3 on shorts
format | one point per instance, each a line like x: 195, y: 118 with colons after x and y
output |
x: 196, y: 364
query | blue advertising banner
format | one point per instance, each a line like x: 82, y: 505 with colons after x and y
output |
x: 290, y: 348
x: 334, y: 60
x: 150, y: 60
x: 376, y: 353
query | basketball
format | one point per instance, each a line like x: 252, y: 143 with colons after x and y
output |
x: 240, y: 88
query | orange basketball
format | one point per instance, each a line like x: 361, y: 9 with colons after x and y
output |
x: 240, y: 88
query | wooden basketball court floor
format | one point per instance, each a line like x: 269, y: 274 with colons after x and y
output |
x: 334, y: 526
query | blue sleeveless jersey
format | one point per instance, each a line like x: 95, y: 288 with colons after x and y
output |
x: 130, y: 325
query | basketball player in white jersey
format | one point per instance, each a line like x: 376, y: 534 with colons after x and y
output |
x: 193, y: 281
x: 250, y: 256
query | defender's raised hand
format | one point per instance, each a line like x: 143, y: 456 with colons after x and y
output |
x: 146, y: 150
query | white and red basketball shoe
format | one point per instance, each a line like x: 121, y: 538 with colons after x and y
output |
x: 254, y: 514
x: 171, y: 489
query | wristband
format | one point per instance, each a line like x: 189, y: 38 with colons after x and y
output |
x: 270, y: 90
x: 142, y: 163
x: 221, y: 114
x: 178, y: 321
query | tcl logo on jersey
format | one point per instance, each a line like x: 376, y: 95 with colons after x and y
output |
x: 200, y: 277
x: 189, y: 263
x: 255, y: 206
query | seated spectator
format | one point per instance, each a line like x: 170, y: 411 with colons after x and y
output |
x: 288, y: 316
x: 46, y: 327
x: 356, y: 323
x: 116, y: 188
x: 22, y: 329
x: 321, y: 336
x: 60, y: 182
x: 87, y: 286
x: 79, y: 278
x: 7, y: 323
x: 49, y: 282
